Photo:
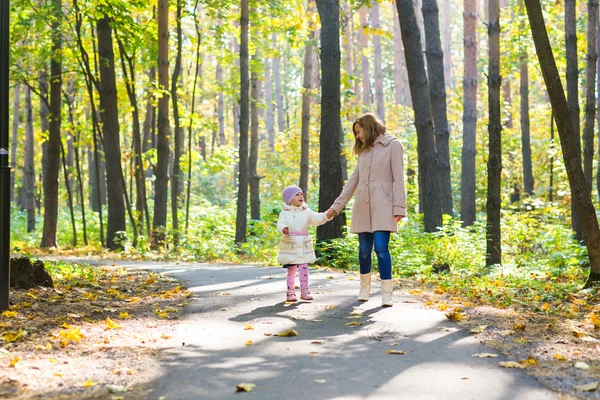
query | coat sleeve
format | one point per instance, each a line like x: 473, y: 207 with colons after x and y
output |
x: 316, y: 219
x: 281, y: 223
x: 347, y: 192
x: 397, y: 160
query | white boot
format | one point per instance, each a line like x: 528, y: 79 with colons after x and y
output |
x: 365, y: 287
x: 387, y: 287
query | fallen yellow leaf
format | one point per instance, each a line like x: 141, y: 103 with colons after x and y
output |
x: 560, y: 358
x: 245, y: 387
x: 11, y: 336
x: 289, y: 332
x: 124, y: 315
x: 9, y: 314
x: 454, y: 316
x: 511, y: 364
x: 354, y: 323
x: 248, y: 327
x: 478, y: 329
x: 14, y: 361
x: 248, y: 343
x: 395, y: 352
x: 519, y: 327
x: 109, y: 324
x: 588, y: 387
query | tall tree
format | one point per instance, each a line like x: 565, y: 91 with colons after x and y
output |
x: 254, y: 178
x: 528, y: 182
x: 162, y: 143
x: 437, y: 93
x: 467, y: 192
x: 493, y: 206
x: 419, y: 89
x: 28, y: 161
x: 177, y: 177
x: 270, y: 120
x: 306, y: 101
x: 53, y: 149
x: 110, y: 128
x: 573, y: 89
x: 241, y: 219
x: 379, y: 95
x: 330, y: 160
x: 400, y: 95
x: 447, y: 42
x: 364, y: 46
x: 590, y: 85
x: 14, y: 140
x: 568, y: 138
x: 278, y: 90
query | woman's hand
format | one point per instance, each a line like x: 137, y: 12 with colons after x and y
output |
x: 330, y: 213
x: 397, y: 218
x: 286, y: 231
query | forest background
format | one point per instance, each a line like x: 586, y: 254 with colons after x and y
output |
x: 126, y: 131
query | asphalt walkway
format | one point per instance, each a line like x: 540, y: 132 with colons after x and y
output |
x: 341, y: 351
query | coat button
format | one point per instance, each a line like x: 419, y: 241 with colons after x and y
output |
x: 368, y: 166
x: 366, y: 183
x: 367, y: 201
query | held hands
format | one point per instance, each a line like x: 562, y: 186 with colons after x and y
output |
x: 330, y: 213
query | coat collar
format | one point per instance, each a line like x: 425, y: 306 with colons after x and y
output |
x: 385, y: 139
x: 303, y: 206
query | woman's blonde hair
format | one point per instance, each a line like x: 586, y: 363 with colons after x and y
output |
x: 372, y: 129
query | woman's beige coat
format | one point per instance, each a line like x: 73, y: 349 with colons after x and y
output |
x: 378, y: 181
x: 297, y: 246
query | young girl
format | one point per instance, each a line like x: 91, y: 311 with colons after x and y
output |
x: 296, y: 247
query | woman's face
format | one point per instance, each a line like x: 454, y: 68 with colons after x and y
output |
x: 358, y: 132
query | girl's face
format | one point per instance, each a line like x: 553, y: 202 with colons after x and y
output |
x: 298, y: 199
x: 358, y: 132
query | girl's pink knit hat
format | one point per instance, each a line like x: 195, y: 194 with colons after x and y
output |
x: 289, y: 193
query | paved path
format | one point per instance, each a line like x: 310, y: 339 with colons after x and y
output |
x: 347, y: 362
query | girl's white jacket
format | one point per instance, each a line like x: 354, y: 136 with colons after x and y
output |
x: 297, y: 246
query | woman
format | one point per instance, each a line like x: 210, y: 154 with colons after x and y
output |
x: 380, y: 201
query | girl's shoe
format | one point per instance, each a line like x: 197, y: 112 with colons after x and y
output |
x: 291, y: 295
x: 305, y: 294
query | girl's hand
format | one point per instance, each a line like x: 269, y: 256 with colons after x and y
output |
x: 286, y: 231
x: 331, y: 213
x: 397, y: 218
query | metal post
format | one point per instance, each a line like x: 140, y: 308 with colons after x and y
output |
x: 4, y: 167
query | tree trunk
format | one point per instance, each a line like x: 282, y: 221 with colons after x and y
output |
x: 28, y: 161
x: 364, y: 46
x: 254, y: 141
x: 149, y: 117
x: 15, y: 138
x: 448, y: 43
x: 467, y: 194
x: 590, y: 83
x: 221, y: 106
x: 528, y: 183
x: 196, y: 76
x: 162, y: 144
x: 69, y: 193
x: 110, y: 128
x: 598, y: 105
x: 330, y: 160
x: 348, y: 43
x: 270, y: 120
x: 568, y: 139
x: 419, y: 89
x: 573, y: 90
x: 139, y: 173
x: 306, y: 100
x: 177, y: 177
x: 552, y: 147
x: 493, y: 205
x: 400, y: 96
x: 379, y: 95
x: 241, y: 220
x: 437, y: 94
x: 278, y: 92
x: 53, y: 149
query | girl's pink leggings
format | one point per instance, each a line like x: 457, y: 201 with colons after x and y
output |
x: 291, y: 276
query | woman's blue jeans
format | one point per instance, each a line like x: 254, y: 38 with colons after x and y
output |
x: 379, y: 240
